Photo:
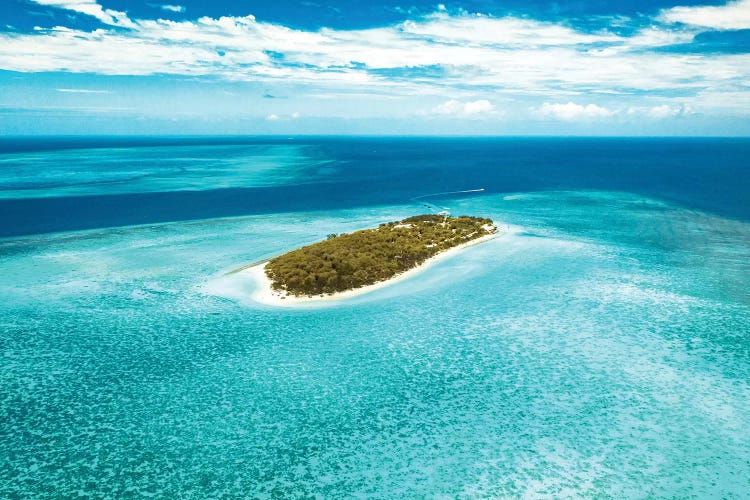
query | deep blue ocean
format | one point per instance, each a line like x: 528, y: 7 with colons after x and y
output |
x: 599, y: 348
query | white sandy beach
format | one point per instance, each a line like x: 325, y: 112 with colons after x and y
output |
x: 264, y: 294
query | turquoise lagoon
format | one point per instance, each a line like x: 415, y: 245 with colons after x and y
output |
x: 598, y: 349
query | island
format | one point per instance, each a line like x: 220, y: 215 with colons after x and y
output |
x: 344, y: 265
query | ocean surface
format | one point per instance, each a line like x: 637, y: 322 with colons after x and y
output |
x: 600, y: 348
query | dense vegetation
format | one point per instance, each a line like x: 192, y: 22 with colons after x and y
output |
x: 347, y: 261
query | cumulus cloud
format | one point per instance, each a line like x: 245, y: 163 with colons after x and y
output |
x: 503, y: 31
x: 456, y: 55
x: 511, y: 53
x: 732, y: 16
x: 573, y: 112
x: 91, y: 8
x: 273, y: 117
x: 661, y: 112
x: 458, y: 108
x: 173, y: 8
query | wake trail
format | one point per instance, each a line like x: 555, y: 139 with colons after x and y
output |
x: 437, y: 208
x: 447, y: 192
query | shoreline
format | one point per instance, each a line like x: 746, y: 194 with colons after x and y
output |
x: 264, y: 294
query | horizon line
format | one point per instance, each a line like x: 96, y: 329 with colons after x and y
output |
x: 374, y: 136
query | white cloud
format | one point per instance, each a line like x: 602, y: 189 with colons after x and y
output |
x: 273, y: 117
x: 573, y: 112
x: 664, y: 111
x: 91, y: 8
x: 463, y: 55
x: 504, y: 31
x: 732, y: 16
x: 661, y: 112
x: 458, y: 108
x: 173, y: 8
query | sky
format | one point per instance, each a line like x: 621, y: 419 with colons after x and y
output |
x: 410, y: 67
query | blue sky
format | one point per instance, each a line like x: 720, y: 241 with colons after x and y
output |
x: 361, y: 67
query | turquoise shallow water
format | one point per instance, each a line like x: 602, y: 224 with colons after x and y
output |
x: 600, y: 349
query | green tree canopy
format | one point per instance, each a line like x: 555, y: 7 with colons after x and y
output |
x: 347, y: 261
